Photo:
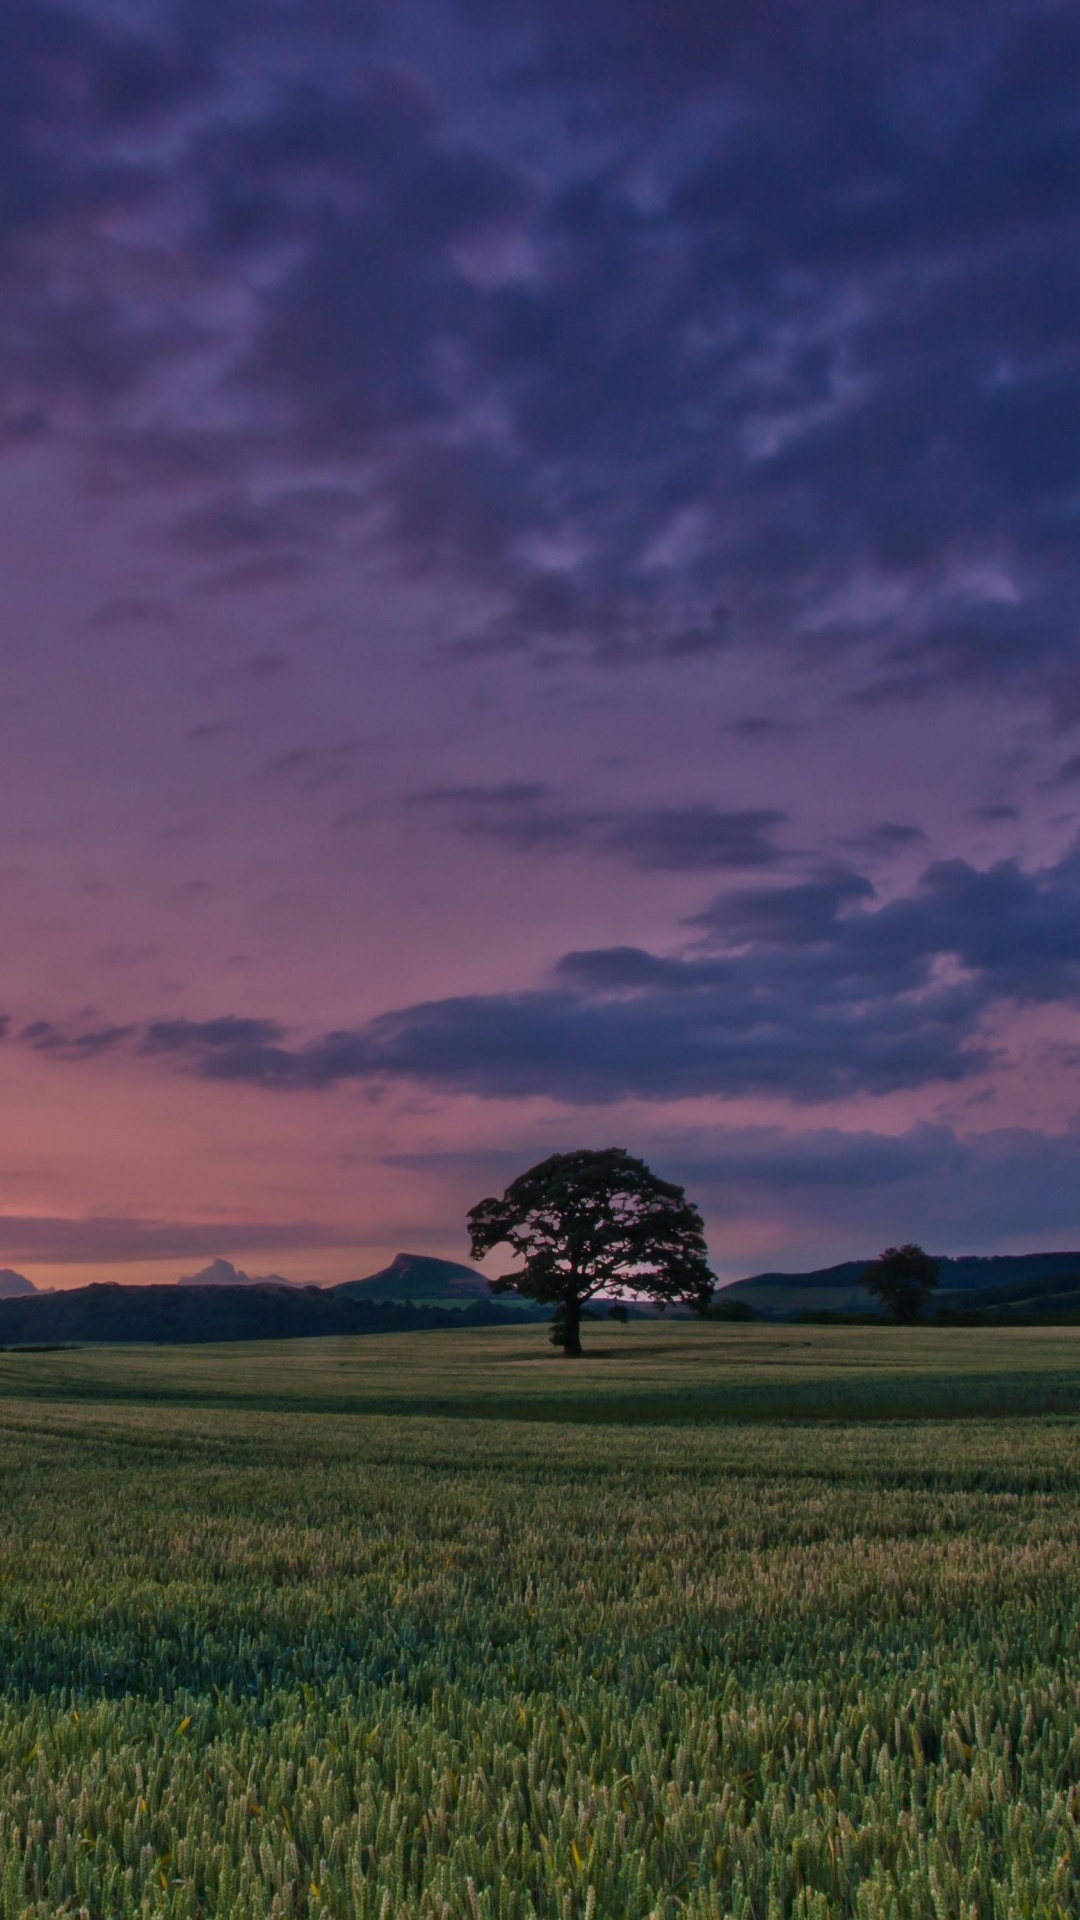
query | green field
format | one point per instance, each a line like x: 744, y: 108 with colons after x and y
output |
x: 651, y: 1371
x: 720, y: 1621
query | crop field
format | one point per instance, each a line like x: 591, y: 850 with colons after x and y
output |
x: 717, y: 1622
x: 645, y: 1372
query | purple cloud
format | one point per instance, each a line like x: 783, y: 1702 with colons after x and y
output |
x: 810, y: 992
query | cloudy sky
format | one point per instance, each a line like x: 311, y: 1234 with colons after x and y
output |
x: 541, y: 586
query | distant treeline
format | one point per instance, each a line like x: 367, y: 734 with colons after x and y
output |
x: 110, y: 1313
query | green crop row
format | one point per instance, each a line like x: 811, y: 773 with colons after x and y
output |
x: 258, y: 1665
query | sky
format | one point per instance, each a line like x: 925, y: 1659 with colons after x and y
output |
x: 540, y: 609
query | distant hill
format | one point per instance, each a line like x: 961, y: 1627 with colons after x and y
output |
x: 1046, y: 1297
x: 969, y: 1282
x: 109, y: 1313
x: 15, y: 1286
x: 1005, y: 1270
x: 777, y: 1295
x: 222, y: 1273
x: 418, y: 1277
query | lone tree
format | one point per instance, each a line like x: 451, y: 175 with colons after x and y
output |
x: 903, y: 1278
x: 595, y: 1222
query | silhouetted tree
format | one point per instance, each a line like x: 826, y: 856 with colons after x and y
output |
x: 902, y: 1277
x: 595, y: 1222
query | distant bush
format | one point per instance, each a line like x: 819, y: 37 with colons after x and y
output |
x: 732, y: 1310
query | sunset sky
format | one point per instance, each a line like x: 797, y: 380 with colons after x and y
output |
x: 540, y: 608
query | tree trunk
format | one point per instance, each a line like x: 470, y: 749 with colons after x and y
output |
x: 571, y: 1345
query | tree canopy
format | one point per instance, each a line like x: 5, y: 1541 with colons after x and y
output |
x: 595, y: 1222
x: 902, y: 1278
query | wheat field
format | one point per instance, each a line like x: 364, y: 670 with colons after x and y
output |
x: 262, y: 1656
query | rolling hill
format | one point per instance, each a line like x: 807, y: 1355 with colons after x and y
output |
x: 419, y: 1278
x: 1030, y: 1282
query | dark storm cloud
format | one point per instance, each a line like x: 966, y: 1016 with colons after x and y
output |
x: 996, y: 812
x: 228, y: 1048
x: 1013, y: 933
x: 233, y: 523
x: 515, y: 812
x: 785, y: 915
x: 694, y: 839
x: 810, y: 992
x: 351, y: 340
x: 662, y: 839
x: 618, y: 1025
x: 830, y: 1192
x: 840, y: 340
x: 76, y: 324
x: 963, y: 1190
x: 795, y: 360
x: 73, y: 1043
x: 763, y: 1160
x: 888, y: 837
x: 644, y: 55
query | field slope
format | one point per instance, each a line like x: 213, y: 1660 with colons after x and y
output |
x: 507, y: 1650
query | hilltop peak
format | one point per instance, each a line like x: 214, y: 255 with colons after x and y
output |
x: 222, y: 1273
x: 15, y: 1286
x: 419, y: 1277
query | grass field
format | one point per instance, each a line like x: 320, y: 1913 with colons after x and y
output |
x: 651, y: 1371
x: 436, y: 1626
